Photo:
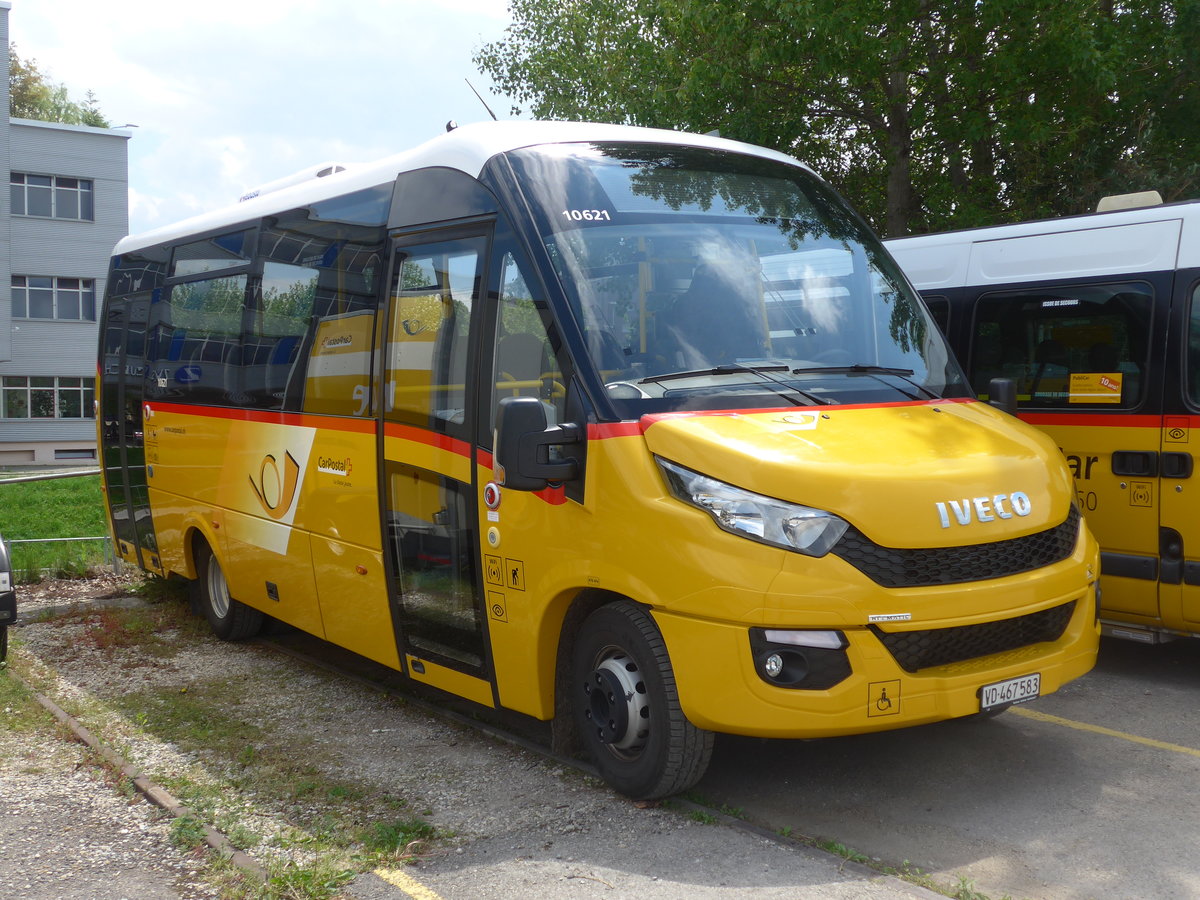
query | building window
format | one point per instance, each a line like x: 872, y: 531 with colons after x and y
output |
x: 51, y: 196
x: 46, y: 397
x: 44, y: 297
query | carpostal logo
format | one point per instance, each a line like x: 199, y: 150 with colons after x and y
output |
x: 331, y: 466
x: 274, y: 489
x: 339, y: 340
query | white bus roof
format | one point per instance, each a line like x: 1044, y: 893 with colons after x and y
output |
x: 1121, y: 242
x: 467, y: 148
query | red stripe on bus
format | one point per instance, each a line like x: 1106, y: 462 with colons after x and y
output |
x: 429, y: 438
x: 650, y: 418
x: 267, y: 417
x: 604, y: 430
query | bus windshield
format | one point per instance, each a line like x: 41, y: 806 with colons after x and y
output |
x: 706, y: 279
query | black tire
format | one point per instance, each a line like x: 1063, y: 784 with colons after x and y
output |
x: 3, y: 642
x: 229, y: 619
x: 626, y: 706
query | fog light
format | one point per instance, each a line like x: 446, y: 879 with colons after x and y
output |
x: 773, y: 665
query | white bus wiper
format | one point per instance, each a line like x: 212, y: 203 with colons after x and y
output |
x: 736, y: 368
x: 861, y: 369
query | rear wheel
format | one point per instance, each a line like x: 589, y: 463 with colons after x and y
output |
x: 230, y: 620
x: 626, y: 706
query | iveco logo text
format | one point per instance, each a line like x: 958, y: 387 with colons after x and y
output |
x: 334, y: 466
x: 984, y: 509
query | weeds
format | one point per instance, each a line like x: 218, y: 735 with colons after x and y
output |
x: 188, y: 832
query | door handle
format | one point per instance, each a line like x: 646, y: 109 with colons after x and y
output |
x: 1140, y: 463
x: 1176, y: 465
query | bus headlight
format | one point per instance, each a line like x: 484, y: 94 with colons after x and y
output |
x: 802, y: 529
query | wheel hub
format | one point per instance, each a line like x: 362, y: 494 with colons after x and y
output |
x: 616, y: 703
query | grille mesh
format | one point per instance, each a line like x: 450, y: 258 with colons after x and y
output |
x: 893, y: 567
x: 916, y: 650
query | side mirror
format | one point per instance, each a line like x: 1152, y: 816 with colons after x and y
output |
x: 523, y: 442
x: 1002, y: 394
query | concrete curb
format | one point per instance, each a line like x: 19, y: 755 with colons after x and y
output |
x: 148, y: 789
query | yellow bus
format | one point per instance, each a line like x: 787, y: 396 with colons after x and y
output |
x: 641, y: 433
x: 1096, y: 318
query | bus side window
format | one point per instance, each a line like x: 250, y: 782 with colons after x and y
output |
x: 196, y: 348
x: 524, y: 364
x: 1081, y: 345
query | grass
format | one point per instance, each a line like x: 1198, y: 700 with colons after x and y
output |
x: 62, y: 508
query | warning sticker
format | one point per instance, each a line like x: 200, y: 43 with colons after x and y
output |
x: 1095, y: 387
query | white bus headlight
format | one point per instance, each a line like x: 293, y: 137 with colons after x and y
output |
x: 812, y: 532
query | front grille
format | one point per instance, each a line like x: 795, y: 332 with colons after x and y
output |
x: 916, y: 650
x: 893, y: 567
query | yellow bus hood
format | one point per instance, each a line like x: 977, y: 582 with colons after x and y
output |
x: 906, y: 475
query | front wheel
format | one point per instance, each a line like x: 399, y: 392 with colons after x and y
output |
x: 229, y: 619
x: 626, y: 706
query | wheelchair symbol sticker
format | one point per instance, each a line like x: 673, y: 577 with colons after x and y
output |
x: 883, y: 698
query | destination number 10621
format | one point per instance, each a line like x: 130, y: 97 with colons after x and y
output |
x: 588, y: 215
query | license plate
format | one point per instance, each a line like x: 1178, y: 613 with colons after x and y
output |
x: 1014, y: 690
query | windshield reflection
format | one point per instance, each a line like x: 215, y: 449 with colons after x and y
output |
x: 745, y: 280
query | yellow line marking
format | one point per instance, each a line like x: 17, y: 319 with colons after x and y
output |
x: 407, y: 883
x: 1100, y: 729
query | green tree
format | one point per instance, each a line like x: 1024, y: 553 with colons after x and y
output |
x: 928, y: 113
x: 33, y: 96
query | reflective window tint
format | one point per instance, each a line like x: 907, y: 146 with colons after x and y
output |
x: 1085, y: 345
x: 225, y: 251
x: 195, y: 342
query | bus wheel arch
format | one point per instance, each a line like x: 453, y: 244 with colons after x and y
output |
x: 230, y: 619
x: 625, y: 704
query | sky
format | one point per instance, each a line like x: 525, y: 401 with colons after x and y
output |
x: 231, y: 94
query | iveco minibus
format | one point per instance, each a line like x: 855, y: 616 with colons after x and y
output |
x: 636, y: 431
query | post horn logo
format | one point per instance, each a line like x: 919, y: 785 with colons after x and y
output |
x: 274, y: 491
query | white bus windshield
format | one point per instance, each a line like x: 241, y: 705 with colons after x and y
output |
x: 709, y: 280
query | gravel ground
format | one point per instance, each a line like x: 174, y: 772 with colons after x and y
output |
x: 66, y: 834
x: 519, y: 825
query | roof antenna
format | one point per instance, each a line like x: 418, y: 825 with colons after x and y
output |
x: 481, y: 100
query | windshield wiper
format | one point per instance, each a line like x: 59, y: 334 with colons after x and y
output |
x: 861, y: 369
x: 735, y: 369
x: 715, y: 370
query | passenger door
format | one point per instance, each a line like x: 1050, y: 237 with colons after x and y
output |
x: 1080, y: 355
x: 429, y: 402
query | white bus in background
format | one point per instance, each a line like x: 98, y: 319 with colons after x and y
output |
x: 1097, y: 320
